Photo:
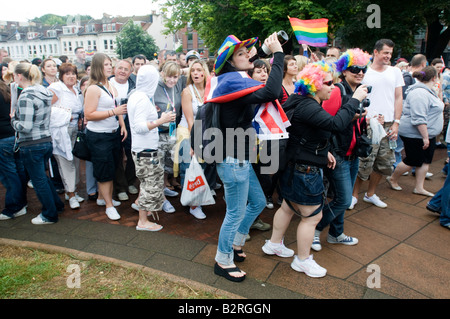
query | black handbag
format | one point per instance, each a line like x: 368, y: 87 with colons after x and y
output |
x: 80, y: 148
x: 363, y: 146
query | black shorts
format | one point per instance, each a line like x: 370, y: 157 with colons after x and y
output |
x: 105, y: 154
x: 415, y: 154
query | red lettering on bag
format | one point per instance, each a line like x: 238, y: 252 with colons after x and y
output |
x: 193, y: 185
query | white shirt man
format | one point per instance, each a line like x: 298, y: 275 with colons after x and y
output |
x: 386, y: 102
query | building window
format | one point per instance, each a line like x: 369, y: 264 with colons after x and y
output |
x: 65, y: 46
x: 105, y: 44
x: 111, y: 44
x: 95, y: 45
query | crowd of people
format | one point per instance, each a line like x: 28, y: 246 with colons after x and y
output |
x: 138, y: 116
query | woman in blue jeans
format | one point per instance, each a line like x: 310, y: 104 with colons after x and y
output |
x: 440, y: 203
x: 352, y: 65
x: 243, y: 194
x: 31, y: 121
x: 12, y: 172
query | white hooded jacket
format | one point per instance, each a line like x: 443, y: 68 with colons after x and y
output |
x: 141, y: 110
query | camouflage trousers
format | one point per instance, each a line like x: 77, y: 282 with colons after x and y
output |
x: 150, y: 172
x: 381, y: 160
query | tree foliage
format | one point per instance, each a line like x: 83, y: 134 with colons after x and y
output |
x: 214, y: 20
x: 133, y: 40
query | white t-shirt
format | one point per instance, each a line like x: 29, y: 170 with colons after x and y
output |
x: 68, y: 99
x: 122, y: 89
x: 382, y: 97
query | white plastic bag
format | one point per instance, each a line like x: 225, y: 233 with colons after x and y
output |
x: 196, y: 190
x: 378, y: 131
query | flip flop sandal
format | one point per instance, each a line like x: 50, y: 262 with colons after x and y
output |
x: 150, y: 229
x: 236, y: 257
x: 225, y: 272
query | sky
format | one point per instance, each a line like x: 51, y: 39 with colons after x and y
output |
x: 25, y: 10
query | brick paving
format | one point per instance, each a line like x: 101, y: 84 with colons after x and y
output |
x: 404, y: 241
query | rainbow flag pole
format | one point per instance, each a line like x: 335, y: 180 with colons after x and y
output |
x: 310, y: 32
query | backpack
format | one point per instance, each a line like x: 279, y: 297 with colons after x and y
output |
x: 206, y: 129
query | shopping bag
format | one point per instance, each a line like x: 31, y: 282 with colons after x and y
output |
x: 196, y: 190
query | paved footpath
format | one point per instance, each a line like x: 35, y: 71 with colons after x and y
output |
x: 402, y: 251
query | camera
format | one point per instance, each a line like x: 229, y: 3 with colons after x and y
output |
x: 264, y: 51
x: 366, y: 102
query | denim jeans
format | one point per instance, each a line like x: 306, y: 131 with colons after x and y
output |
x: 34, y: 158
x: 441, y: 202
x: 245, y: 201
x: 13, y: 177
x: 342, y: 179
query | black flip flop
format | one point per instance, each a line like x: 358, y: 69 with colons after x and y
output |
x: 225, y: 272
x: 236, y: 257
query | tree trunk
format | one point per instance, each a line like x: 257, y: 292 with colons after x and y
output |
x: 436, y: 41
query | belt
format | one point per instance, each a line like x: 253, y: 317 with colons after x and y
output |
x: 146, y: 153
x: 349, y: 157
x: 308, y: 169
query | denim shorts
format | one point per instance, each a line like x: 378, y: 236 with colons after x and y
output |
x: 302, y: 188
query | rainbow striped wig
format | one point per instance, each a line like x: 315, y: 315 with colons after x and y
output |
x: 352, y: 57
x: 310, y: 79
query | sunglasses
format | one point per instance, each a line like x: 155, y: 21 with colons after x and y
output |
x: 356, y: 69
x: 328, y: 83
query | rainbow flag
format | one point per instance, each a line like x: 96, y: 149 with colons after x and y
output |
x: 90, y: 52
x: 310, y: 32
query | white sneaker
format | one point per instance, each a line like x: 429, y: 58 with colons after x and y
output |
x: 21, y: 212
x: 73, y: 203
x: 277, y: 249
x: 354, y: 202
x: 30, y: 184
x: 167, y: 207
x: 132, y: 190
x: 375, y: 200
x: 197, y: 212
x: 79, y: 198
x: 309, y: 267
x: 342, y: 239
x: 316, y: 244
x: 38, y: 220
x: 101, y: 202
x: 170, y: 193
x: 112, y: 213
x: 122, y: 196
x: 429, y: 175
x: 135, y: 206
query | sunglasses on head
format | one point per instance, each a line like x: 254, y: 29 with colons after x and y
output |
x: 356, y: 69
x: 328, y: 83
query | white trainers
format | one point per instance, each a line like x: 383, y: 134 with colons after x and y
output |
x: 170, y: 193
x: 277, y: 249
x: 39, y: 220
x: 101, y: 202
x: 375, y: 200
x: 316, y: 244
x: 21, y: 212
x: 197, y: 212
x: 78, y: 197
x: 123, y: 196
x: 167, y: 207
x: 342, y: 239
x: 309, y: 267
x: 112, y: 213
x: 132, y: 190
x: 354, y: 202
x: 74, y: 203
x: 135, y: 206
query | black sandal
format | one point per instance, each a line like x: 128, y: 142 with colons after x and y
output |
x: 238, y: 258
x: 225, y: 272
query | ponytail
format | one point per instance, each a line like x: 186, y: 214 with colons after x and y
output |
x: 29, y: 71
x: 426, y: 75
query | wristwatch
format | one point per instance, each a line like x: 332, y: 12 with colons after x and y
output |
x: 397, y: 121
